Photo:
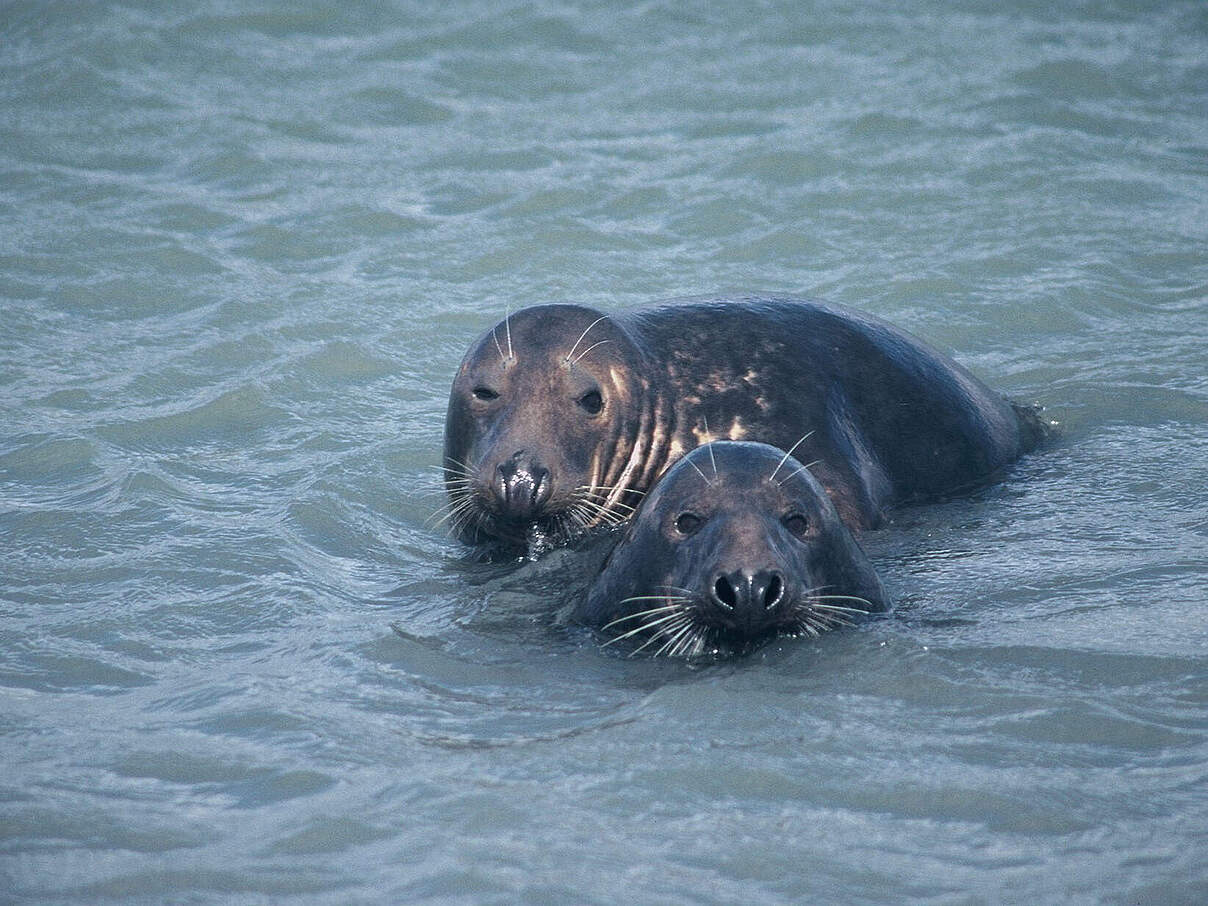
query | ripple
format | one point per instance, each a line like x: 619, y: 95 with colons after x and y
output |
x: 390, y: 107
x: 1071, y: 79
x: 226, y: 417
x: 329, y: 835
x: 53, y: 672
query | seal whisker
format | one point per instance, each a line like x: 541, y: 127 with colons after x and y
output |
x: 649, y: 621
x: 450, y: 510
x: 826, y: 620
x: 601, y: 511
x: 831, y: 620
x: 647, y: 625
x: 830, y: 617
x: 655, y: 598
x: 804, y: 468
x: 507, y: 326
x: 688, y: 643
x: 644, y: 613
x: 818, y: 601
x: 709, y: 447
x: 462, y: 520
x: 675, y: 638
x: 662, y: 633
x: 579, y: 514
x: 698, y: 471
x: 581, y: 336
x: 591, y: 498
x: 495, y: 337
x: 638, y: 650
x: 606, y: 488
x: 457, y: 467
x: 589, y: 349
x: 592, y: 512
x: 443, y: 514
x: 804, y: 625
x: 678, y: 590
x: 589, y: 512
x: 789, y: 453
x: 614, y: 513
x: 644, y: 627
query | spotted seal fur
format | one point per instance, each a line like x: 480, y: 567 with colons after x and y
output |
x: 561, y: 416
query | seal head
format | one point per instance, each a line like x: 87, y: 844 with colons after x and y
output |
x: 543, y: 422
x: 737, y: 544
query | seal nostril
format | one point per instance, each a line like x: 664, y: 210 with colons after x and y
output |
x: 724, y: 591
x: 541, y: 486
x: 503, y: 475
x: 773, y: 592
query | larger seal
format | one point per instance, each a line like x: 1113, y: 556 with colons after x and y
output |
x: 561, y: 417
x: 735, y: 545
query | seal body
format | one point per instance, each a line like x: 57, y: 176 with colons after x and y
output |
x: 736, y: 544
x: 561, y: 417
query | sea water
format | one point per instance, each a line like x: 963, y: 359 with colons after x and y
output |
x: 243, y: 247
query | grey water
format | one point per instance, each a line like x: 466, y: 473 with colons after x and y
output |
x: 243, y: 247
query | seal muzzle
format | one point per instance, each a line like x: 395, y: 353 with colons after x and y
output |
x: 522, y: 487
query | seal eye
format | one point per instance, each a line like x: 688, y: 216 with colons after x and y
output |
x: 591, y: 402
x: 486, y: 394
x: 687, y: 523
x: 797, y: 524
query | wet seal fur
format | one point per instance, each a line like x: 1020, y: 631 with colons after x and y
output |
x: 737, y: 544
x: 561, y: 417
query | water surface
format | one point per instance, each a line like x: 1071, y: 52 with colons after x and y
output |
x: 242, y: 249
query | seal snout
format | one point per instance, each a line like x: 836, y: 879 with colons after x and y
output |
x: 522, y: 486
x: 746, y: 598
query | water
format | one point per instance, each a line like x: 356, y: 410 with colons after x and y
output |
x: 242, y: 249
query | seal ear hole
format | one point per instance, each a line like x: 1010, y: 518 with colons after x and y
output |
x: 591, y: 402
x: 797, y: 524
x: 486, y: 394
x: 687, y: 523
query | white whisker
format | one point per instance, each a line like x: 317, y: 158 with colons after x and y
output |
x: 589, y: 349
x: 698, y: 471
x: 804, y: 468
x: 495, y: 337
x: 507, y: 326
x: 581, y: 336
x: 709, y: 444
x: 789, y: 453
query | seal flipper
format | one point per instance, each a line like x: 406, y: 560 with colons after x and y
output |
x: 854, y: 480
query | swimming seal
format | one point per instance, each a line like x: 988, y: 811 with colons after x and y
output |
x: 735, y: 545
x: 561, y: 417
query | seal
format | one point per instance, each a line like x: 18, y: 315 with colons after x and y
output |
x: 560, y: 417
x: 737, y: 544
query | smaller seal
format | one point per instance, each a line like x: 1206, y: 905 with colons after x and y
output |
x: 736, y: 545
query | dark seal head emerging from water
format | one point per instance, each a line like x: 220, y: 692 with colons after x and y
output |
x: 549, y: 427
x: 736, y: 545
